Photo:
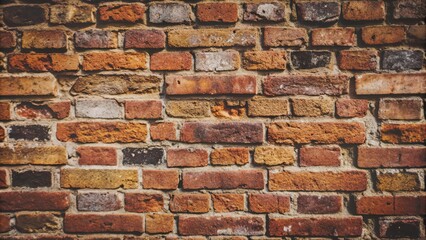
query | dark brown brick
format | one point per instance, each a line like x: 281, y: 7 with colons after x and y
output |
x: 310, y: 204
x: 103, y: 223
x: 34, y: 201
x: 31, y: 179
x: 7, y: 40
x: 37, y: 222
x: 150, y: 38
x: 24, y: 15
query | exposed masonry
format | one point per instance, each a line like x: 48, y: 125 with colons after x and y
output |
x: 214, y: 120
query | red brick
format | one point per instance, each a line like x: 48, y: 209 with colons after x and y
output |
x: 4, y: 111
x: 131, y: 13
x: 376, y: 157
x: 210, y: 85
x: 401, y: 109
x: 48, y: 110
x: 187, y: 157
x: 228, y: 202
x: 144, y: 38
x: 103, y: 223
x: 264, y: 60
x: 159, y: 223
x: 349, y: 108
x: 2, y: 134
x: 171, y: 61
x: 316, y: 227
x: 225, y: 12
x: 4, y: 178
x: 377, y: 35
x: 214, y: 225
x: 363, y: 10
x: 4, y: 223
x: 163, y: 131
x: 114, y: 61
x: 7, y: 40
x: 333, y: 37
x: 403, y: 133
x: 357, y: 59
x: 190, y: 203
x: 42, y: 62
x: 284, y: 37
x: 143, y: 202
x: 230, y: 156
x: 319, y: 156
x: 34, y: 201
x: 97, y: 156
x: 231, y: 179
x: 225, y: 132
x: 44, y: 39
x: 316, y: 132
x: 391, y: 205
x: 143, y: 109
x: 349, y: 181
x: 160, y: 179
x: 410, y: 205
x: 311, y: 204
x: 403, y: 83
x: 269, y: 203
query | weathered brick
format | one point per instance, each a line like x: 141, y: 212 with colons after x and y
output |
x: 225, y: 132
x: 409, y: 9
x: 399, y: 228
x: 272, y: 11
x: 390, y: 83
x: 190, y: 203
x: 284, y: 37
x: 7, y: 39
x: 170, y: 12
x: 44, y: 39
x: 211, y: 85
x: 215, y: 225
x: 229, y: 156
x: 4, y: 180
x: 99, y: 178
x: 131, y: 13
x: 269, y: 203
x: 91, y: 155
x: 394, y: 182
x: 314, y: 227
x: 97, y: 108
x: 318, y: 132
x: 349, y: 181
x: 95, y: 202
x: 401, y: 60
x: 318, y: 11
x: 363, y: 10
x: 319, y: 204
x: 357, y: 59
x: 401, y: 109
x: 72, y: 14
x: 191, y: 38
x: 37, y: 222
x: 143, y: 109
x: 403, y: 133
x: 264, y: 60
x: 2, y: 134
x: 391, y: 205
x: 160, y: 179
x: 142, y: 156
x: 228, y: 109
x: 319, y: 156
x: 114, y: 61
x: 268, y: 107
x: 24, y: 15
x: 4, y: 223
x: 37, y: 85
x: 159, y: 223
x: 143, y: 202
x: 31, y: 179
x: 117, y: 84
x: 163, y: 131
x: 29, y: 132
x: 217, y: 61
x: 335, y: 85
x: 310, y: 59
x: 187, y: 157
x: 107, y: 132
x: 103, y: 223
x: 226, y: 12
x: 240, y: 179
x: 417, y: 32
x: 171, y: 61
x: 375, y: 157
x: 95, y: 39
x: 378, y: 35
x: 349, y: 108
x: 34, y: 201
x: 144, y: 38
x: 228, y: 202
x: 42, y: 155
x: 188, y: 109
x: 266, y: 155
x: 312, y: 107
x: 46, y: 110
x: 42, y: 62
x: 334, y: 36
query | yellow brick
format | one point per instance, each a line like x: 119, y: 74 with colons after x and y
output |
x: 99, y: 178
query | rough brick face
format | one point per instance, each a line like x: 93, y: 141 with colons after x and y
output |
x: 264, y: 60
x: 377, y: 35
x: 114, y: 61
x: 357, y: 60
x: 333, y: 37
x: 144, y: 39
x: 42, y: 62
x: 72, y: 14
x: 172, y: 61
x: 217, y: 12
x: 247, y: 179
x: 44, y: 39
x: 390, y: 84
x: 24, y: 15
x: 34, y: 201
x: 99, y: 223
x: 190, y: 203
x: 363, y: 10
x: 95, y: 39
x: 277, y: 37
x: 318, y: 11
x: 130, y: 13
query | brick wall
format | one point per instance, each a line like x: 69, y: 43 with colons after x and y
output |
x: 212, y: 119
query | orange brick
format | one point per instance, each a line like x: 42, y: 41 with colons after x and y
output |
x: 160, y: 179
x: 228, y: 202
x: 190, y: 203
x: 226, y: 12
x: 114, y: 61
x: 230, y: 156
x: 159, y: 223
x: 377, y: 35
x: 187, y: 157
x: 171, y: 61
x: 143, y: 109
x: 269, y: 203
x: 333, y: 37
x: 43, y: 62
x: 163, y: 131
x: 264, y: 60
x: 363, y: 10
x: 131, y: 13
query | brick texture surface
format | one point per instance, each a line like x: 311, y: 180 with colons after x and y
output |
x: 212, y: 120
